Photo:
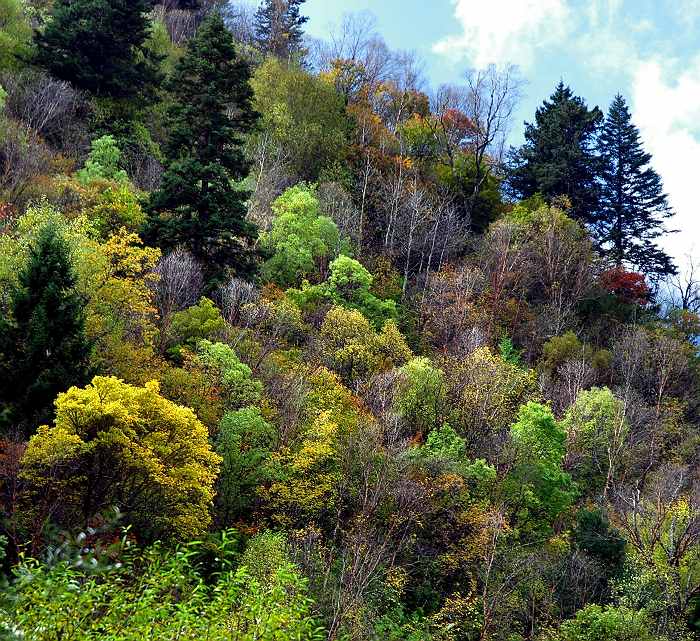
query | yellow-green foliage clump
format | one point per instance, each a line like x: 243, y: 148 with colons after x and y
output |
x: 114, y: 444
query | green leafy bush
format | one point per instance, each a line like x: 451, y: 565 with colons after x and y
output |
x: 300, y: 237
x: 201, y: 321
x: 348, y: 285
x: 103, y: 162
x: 597, y: 623
x: 244, y: 442
x: 157, y: 594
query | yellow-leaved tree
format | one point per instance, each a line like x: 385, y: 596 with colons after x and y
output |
x: 118, y: 445
x: 355, y: 350
x: 306, y: 470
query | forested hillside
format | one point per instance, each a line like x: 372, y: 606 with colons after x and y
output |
x: 294, y: 346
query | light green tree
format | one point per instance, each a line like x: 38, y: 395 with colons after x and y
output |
x: 244, y: 442
x: 300, y: 238
x: 597, y: 430
x: 302, y: 114
x: 537, y: 488
x: 349, y: 286
x: 102, y: 162
x: 15, y: 34
x: 201, y: 321
x: 229, y: 374
x: 421, y: 396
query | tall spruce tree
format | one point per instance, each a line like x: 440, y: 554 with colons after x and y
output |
x: 43, y: 348
x: 633, y: 205
x: 100, y: 47
x: 198, y: 204
x: 278, y: 28
x: 559, y: 156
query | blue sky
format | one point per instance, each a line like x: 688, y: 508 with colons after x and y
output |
x: 648, y: 50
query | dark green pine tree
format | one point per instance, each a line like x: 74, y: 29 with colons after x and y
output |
x: 278, y: 28
x: 633, y: 205
x: 559, y: 156
x: 43, y: 348
x: 198, y: 205
x: 100, y: 47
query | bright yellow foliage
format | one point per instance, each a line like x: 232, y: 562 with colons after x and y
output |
x: 308, y: 471
x: 121, y: 313
x: 355, y: 350
x: 115, y: 444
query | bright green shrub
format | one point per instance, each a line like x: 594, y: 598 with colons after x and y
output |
x: 349, y: 286
x: 538, y: 488
x: 103, y: 162
x: 597, y: 430
x: 158, y: 594
x: 421, y: 396
x: 597, y: 623
x: 201, y: 321
x: 115, y: 205
x: 300, y: 237
x: 15, y: 34
x: 233, y: 378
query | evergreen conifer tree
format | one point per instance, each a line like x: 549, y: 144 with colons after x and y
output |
x: 278, y: 28
x: 559, y: 156
x: 43, y: 348
x: 100, y: 47
x: 197, y: 204
x: 633, y: 204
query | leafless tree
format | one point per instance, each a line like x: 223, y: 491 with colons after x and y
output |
x: 411, y: 221
x: 233, y: 295
x: 505, y: 568
x: 337, y: 204
x: 448, y: 313
x: 273, y: 174
x: 51, y: 108
x: 572, y: 376
x: 683, y: 288
x: 422, y: 230
x: 23, y: 158
x: 487, y: 101
x: 650, y: 370
x: 375, y: 476
x: 239, y: 19
x: 275, y: 324
x: 179, y: 285
x: 363, y: 61
x: 492, y: 96
x: 144, y: 169
x: 561, y: 261
x: 181, y: 21
x: 504, y: 262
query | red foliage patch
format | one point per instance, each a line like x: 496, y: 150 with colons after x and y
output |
x: 630, y: 287
x: 7, y: 214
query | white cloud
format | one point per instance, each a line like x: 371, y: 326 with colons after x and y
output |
x: 687, y: 11
x: 668, y: 116
x: 504, y: 31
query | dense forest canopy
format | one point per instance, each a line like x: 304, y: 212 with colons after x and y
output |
x: 294, y: 347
